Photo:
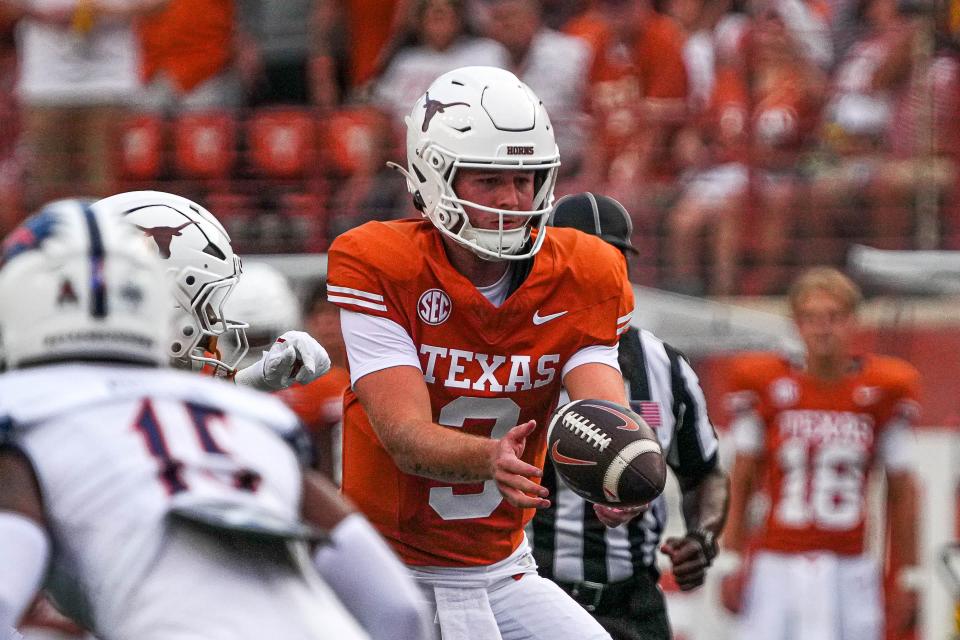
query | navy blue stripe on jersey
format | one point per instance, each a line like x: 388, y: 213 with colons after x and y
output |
x: 6, y: 429
x: 690, y: 456
x: 149, y: 427
x: 200, y: 415
x: 98, y: 289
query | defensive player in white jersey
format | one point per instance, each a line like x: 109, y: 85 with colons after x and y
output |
x: 203, y: 269
x: 158, y: 504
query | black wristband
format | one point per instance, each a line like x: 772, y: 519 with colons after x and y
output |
x: 707, y: 541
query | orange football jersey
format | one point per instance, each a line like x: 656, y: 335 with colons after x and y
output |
x: 487, y: 369
x: 319, y: 404
x: 819, y: 442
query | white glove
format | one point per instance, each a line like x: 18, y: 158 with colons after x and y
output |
x: 294, y: 357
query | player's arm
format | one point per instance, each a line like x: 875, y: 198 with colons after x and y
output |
x: 705, y: 488
x: 360, y: 568
x: 704, y: 504
x: 595, y: 381
x: 902, y: 516
x: 897, y: 455
x: 397, y: 403
x: 25, y: 550
x: 743, y: 476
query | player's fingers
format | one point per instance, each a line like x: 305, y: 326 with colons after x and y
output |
x: 521, y: 431
x: 523, y: 484
x: 691, y: 585
x: 307, y: 371
x: 522, y: 500
x: 686, y: 552
x: 516, y: 466
x: 670, y: 545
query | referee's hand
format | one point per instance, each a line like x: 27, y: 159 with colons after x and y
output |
x: 689, y: 561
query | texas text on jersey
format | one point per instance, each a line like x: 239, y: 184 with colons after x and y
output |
x: 487, y: 369
x: 821, y: 441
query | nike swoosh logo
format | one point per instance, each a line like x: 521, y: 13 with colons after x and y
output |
x: 539, y: 319
x: 628, y: 423
x: 562, y: 459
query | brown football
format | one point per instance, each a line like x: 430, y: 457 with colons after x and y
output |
x: 606, y: 453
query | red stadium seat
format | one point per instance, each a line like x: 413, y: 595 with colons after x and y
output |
x: 282, y: 143
x: 140, y: 148
x: 354, y: 136
x: 205, y: 144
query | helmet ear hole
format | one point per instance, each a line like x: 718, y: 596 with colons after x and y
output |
x: 419, y: 203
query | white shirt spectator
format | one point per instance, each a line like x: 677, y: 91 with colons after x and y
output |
x: 413, y: 70
x: 61, y: 66
x: 556, y: 68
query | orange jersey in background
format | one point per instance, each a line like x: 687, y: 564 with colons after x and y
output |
x: 318, y: 404
x: 819, y: 441
x: 189, y: 40
x: 487, y: 369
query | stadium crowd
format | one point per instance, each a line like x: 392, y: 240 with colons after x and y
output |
x: 748, y: 139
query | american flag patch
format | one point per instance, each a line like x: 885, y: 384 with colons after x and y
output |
x: 649, y: 410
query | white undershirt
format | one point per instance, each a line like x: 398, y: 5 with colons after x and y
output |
x: 375, y: 343
x: 497, y: 292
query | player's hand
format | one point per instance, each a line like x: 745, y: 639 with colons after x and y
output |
x: 294, y: 357
x: 615, y: 516
x: 512, y: 474
x: 902, y: 611
x: 731, y: 590
x: 689, y: 559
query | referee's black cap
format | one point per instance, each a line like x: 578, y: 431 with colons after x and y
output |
x: 598, y: 215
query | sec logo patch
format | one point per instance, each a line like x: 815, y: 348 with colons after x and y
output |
x: 434, y: 306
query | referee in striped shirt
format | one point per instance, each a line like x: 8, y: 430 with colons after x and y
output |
x: 613, y: 572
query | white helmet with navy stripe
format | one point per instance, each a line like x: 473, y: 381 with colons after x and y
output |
x: 78, y: 283
x: 202, y: 268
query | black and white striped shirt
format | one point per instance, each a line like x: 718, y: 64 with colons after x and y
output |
x: 570, y: 543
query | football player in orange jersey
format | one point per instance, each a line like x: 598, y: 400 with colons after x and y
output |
x: 460, y: 330
x: 807, y: 434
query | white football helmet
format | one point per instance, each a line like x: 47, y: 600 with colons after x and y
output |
x: 267, y: 303
x: 201, y: 266
x: 480, y: 118
x: 77, y: 283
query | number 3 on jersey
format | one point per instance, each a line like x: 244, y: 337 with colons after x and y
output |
x: 505, y: 413
x: 171, y: 469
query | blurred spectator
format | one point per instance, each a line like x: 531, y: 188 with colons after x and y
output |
x: 188, y: 57
x: 438, y: 39
x: 715, y: 151
x: 352, y: 41
x: 922, y: 172
x: 637, y: 96
x: 553, y: 64
x: 855, y: 128
x: 785, y: 91
x: 77, y: 73
x: 277, y: 43
x: 320, y: 403
x: 365, y: 188
x: 11, y: 179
